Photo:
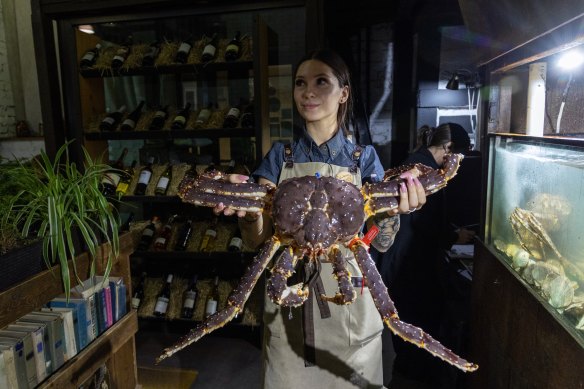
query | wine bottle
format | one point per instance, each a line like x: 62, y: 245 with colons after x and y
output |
x: 144, y: 179
x: 208, y: 241
x: 161, y: 242
x: 232, y: 118
x: 151, y: 54
x: 130, y: 122
x: 204, y: 115
x: 248, y: 117
x: 148, y: 234
x: 126, y: 225
x: 138, y: 295
x: 164, y: 181
x: 121, y: 55
x: 236, y: 243
x: 212, y: 298
x: 210, y: 49
x: 111, y: 120
x: 189, y: 300
x: 181, y: 118
x: 210, y: 168
x: 163, y: 298
x: 231, y: 167
x: 233, y: 49
x: 111, y: 178
x: 126, y: 179
x: 189, y: 176
x: 182, y: 54
x: 184, y: 236
x: 159, y: 119
x: 90, y: 57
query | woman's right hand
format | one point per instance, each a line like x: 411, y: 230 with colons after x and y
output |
x: 227, y: 211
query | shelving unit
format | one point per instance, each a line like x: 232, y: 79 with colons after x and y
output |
x: 115, y: 347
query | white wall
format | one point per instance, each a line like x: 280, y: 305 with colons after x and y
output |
x: 18, y: 65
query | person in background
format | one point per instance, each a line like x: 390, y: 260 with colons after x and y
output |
x: 321, y: 344
x: 412, y: 266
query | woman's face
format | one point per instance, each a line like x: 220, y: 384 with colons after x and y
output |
x: 439, y: 152
x: 317, y: 93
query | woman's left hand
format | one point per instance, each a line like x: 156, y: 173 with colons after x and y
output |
x: 411, y: 194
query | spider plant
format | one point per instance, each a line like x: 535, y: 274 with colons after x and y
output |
x: 60, y: 203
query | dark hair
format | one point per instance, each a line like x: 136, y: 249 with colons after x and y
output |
x: 341, y: 72
x: 459, y: 137
x: 433, y: 136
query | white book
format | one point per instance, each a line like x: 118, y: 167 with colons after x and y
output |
x: 8, y: 377
x: 37, y: 335
x: 69, y: 330
x: 25, y: 345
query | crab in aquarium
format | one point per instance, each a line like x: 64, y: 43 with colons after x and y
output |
x: 312, y: 217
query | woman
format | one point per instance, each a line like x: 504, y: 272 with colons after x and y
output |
x: 323, y: 345
x: 413, y: 266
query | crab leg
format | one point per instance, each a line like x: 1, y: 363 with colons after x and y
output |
x: 210, y: 191
x: 346, y: 294
x: 235, y: 301
x: 384, y: 196
x: 278, y: 290
x: 390, y: 317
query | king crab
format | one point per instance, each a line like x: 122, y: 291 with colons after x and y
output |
x: 313, y: 217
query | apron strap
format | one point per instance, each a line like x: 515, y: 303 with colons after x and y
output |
x: 356, y: 156
x: 316, y: 288
x: 288, y: 157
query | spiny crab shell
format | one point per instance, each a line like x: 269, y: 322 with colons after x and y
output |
x: 317, y: 212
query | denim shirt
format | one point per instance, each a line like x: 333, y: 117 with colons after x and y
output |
x: 336, y: 151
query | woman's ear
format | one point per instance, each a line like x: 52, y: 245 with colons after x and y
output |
x: 344, y: 95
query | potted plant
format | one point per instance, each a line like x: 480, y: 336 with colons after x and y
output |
x: 61, y: 205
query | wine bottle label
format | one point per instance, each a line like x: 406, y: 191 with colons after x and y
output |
x: 118, y: 57
x: 232, y: 47
x: 203, y: 116
x: 129, y: 122
x: 184, y: 47
x: 162, y: 183
x: 89, y: 56
x: 144, y: 177
x: 161, y: 305
x: 111, y: 178
x: 236, y: 243
x: 210, y: 233
x: 147, y: 232
x: 159, y: 114
x: 160, y: 241
x: 108, y: 120
x: 209, y: 50
x: 122, y: 188
x: 135, y: 302
x: 190, y: 299
x: 233, y: 112
x: 180, y: 119
x: 210, y: 307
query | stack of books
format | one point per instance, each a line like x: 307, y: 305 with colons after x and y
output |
x: 37, y: 344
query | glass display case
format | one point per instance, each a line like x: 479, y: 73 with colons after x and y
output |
x: 535, y: 221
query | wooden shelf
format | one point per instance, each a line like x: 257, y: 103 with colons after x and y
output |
x: 115, y: 347
x: 199, y: 68
x: 213, y: 133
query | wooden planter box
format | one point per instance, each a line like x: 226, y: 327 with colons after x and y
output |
x: 21, y: 264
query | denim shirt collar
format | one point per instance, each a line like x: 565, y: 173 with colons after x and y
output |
x: 328, y: 151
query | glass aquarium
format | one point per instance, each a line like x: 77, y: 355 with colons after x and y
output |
x: 535, y: 219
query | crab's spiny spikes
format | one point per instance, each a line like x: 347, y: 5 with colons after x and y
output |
x: 235, y: 302
x: 390, y: 317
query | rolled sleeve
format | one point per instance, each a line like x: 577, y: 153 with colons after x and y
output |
x: 271, y: 165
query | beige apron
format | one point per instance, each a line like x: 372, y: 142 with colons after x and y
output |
x: 348, y: 343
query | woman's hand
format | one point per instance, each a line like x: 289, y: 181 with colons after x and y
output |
x: 411, y: 195
x: 227, y: 211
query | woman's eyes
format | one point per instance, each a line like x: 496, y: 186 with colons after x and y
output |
x: 299, y: 82
x: 318, y: 81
